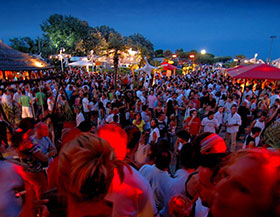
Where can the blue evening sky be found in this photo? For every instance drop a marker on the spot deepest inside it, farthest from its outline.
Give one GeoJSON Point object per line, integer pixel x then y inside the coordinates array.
{"type": "Point", "coordinates": [222, 27]}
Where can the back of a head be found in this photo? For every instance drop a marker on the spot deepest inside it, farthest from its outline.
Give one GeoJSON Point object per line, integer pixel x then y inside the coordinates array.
{"type": "Point", "coordinates": [210, 143]}
{"type": "Point", "coordinates": [183, 135]}
{"type": "Point", "coordinates": [116, 137]}
{"type": "Point", "coordinates": [163, 159]}
{"type": "Point", "coordinates": [86, 167]}
{"type": "Point", "coordinates": [189, 159]}
{"type": "Point", "coordinates": [133, 134]}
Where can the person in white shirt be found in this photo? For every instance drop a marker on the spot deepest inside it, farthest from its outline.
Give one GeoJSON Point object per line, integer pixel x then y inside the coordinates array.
{"type": "Point", "coordinates": [86, 105]}
{"type": "Point", "coordinates": [107, 178]}
{"type": "Point", "coordinates": [177, 185]}
{"type": "Point", "coordinates": [233, 123]}
{"type": "Point", "coordinates": [17, 95]}
{"type": "Point", "coordinates": [6, 98]}
{"type": "Point", "coordinates": [110, 118]}
{"type": "Point", "coordinates": [139, 93]}
{"type": "Point", "coordinates": [143, 99]}
{"type": "Point", "coordinates": [79, 116]}
{"type": "Point", "coordinates": [154, 133]}
{"type": "Point", "coordinates": [209, 123]}
{"type": "Point", "coordinates": [151, 101]}
{"type": "Point", "coordinates": [219, 116]}
{"type": "Point", "coordinates": [159, 178]}
{"type": "Point", "coordinates": [274, 97]}
{"type": "Point", "coordinates": [142, 204]}
{"type": "Point", "coordinates": [50, 102]}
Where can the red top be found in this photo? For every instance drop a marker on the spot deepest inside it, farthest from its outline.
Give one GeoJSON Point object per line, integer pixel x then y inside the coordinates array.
{"type": "Point", "coordinates": [195, 125]}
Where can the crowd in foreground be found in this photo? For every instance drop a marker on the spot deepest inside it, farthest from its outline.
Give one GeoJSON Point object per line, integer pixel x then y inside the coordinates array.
{"type": "Point", "coordinates": [151, 150]}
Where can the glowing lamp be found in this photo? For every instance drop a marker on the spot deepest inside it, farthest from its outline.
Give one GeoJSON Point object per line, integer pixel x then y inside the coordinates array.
{"type": "Point", "coordinates": [191, 56]}
{"type": "Point", "coordinates": [203, 51]}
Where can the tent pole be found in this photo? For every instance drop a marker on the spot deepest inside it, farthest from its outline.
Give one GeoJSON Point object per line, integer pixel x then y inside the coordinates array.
{"type": "Point", "coordinates": [43, 112]}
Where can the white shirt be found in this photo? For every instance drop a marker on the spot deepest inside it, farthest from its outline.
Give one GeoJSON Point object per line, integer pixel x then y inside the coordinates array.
{"type": "Point", "coordinates": [133, 197]}
{"type": "Point", "coordinates": [151, 100]}
{"type": "Point", "coordinates": [209, 125]}
{"type": "Point", "coordinates": [177, 185]}
{"type": "Point", "coordinates": [50, 104]}
{"type": "Point", "coordinates": [79, 119]}
{"type": "Point", "coordinates": [143, 100]}
{"type": "Point", "coordinates": [6, 99]}
{"type": "Point", "coordinates": [158, 180]}
{"type": "Point", "coordinates": [235, 119]}
{"type": "Point", "coordinates": [219, 117]}
{"type": "Point", "coordinates": [85, 103]}
{"type": "Point", "coordinates": [155, 130]}
{"type": "Point", "coordinates": [16, 97]}
{"type": "Point", "coordinates": [273, 98]}
{"type": "Point", "coordinates": [139, 93]}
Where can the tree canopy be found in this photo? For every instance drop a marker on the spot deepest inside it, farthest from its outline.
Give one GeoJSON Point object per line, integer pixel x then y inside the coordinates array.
{"type": "Point", "coordinates": [77, 37]}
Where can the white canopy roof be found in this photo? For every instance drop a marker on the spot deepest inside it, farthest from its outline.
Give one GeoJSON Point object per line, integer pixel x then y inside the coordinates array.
{"type": "Point", "coordinates": [81, 63]}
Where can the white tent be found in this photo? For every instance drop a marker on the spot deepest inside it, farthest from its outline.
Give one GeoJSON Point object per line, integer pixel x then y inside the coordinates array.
{"type": "Point", "coordinates": [276, 63]}
{"type": "Point", "coordinates": [148, 69]}
{"type": "Point", "coordinates": [81, 63]}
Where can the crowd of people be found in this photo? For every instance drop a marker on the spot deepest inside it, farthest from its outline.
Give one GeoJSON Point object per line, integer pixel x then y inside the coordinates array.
{"type": "Point", "coordinates": [184, 145]}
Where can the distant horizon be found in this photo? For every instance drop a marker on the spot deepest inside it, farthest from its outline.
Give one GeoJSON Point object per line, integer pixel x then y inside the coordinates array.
{"type": "Point", "coordinates": [223, 27]}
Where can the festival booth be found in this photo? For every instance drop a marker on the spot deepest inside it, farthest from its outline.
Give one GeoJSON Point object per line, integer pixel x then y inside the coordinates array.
{"type": "Point", "coordinates": [168, 68]}
{"type": "Point", "coordinates": [83, 62]}
{"type": "Point", "coordinates": [235, 68]}
{"type": "Point", "coordinates": [256, 71]}
{"type": "Point", "coordinates": [16, 65]}
{"type": "Point", "coordinates": [263, 72]}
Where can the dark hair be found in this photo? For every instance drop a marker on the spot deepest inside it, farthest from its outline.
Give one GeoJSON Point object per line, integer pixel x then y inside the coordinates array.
{"type": "Point", "coordinates": [187, 157]}
{"type": "Point", "coordinates": [163, 159]}
{"type": "Point", "coordinates": [144, 107]}
{"type": "Point", "coordinates": [183, 135]}
{"type": "Point", "coordinates": [85, 126]}
{"type": "Point", "coordinates": [133, 134]}
{"type": "Point", "coordinates": [214, 162]}
{"type": "Point", "coordinates": [115, 118]}
{"type": "Point", "coordinates": [210, 113]}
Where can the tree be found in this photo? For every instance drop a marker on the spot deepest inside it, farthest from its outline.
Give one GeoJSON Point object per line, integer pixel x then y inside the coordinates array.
{"type": "Point", "coordinates": [239, 58]}
{"type": "Point", "coordinates": [140, 43]}
{"type": "Point", "coordinates": [117, 44]}
{"type": "Point", "coordinates": [25, 44]}
{"type": "Point", "coordinates": [110, 43]}
{"type": "Point", "coordinates": [159, 53]}
{"type": "Point", "coordinates": [222, 59]}
{"type": "Point", "coordinates": [167, 54]}
{"type": "Point", "coordinates": [68, 32]}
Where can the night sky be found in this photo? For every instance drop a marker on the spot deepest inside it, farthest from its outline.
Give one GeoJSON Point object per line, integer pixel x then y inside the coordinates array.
{"type": "Point", "coordinates": [222, 27]}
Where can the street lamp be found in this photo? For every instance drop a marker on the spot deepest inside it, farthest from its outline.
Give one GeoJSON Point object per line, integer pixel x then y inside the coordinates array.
{"type": "Point", "coordinates": [203, 51]}
{"type": "Point", "coordinates": [272, 38]}
{"type": "Point", "coordinates": [61, 57]}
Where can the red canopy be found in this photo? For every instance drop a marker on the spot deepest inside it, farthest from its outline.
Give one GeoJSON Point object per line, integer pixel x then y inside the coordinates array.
{"type": "Point", "coordinates": [256, 71]}
{"type": "Point", "coordinates": [235, 67]}
{"type": "Point", "coordinates": [168, 66]}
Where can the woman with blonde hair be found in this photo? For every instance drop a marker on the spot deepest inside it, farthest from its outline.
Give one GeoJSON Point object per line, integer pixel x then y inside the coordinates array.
{"type": "Point", "coordinates": [86, 170]}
